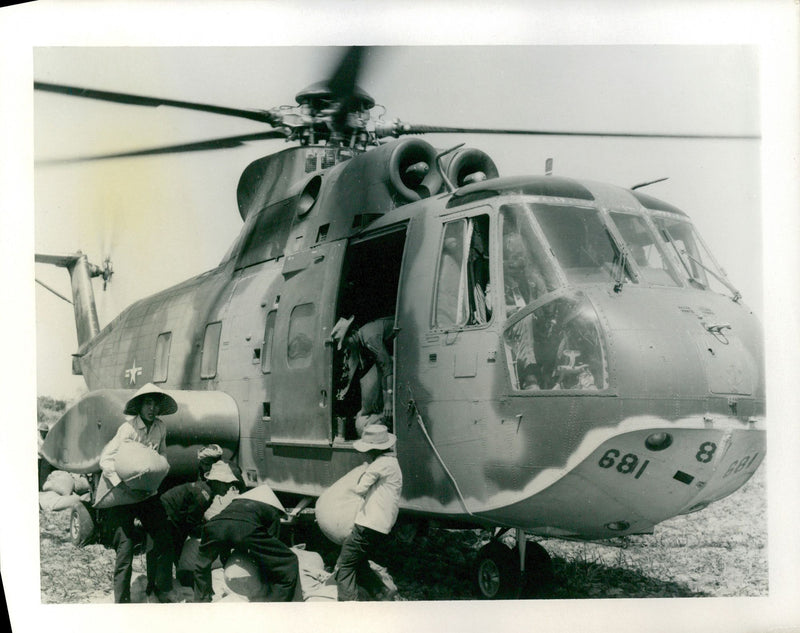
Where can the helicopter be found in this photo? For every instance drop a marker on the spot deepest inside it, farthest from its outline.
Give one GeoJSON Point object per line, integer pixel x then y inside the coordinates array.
{"type": "Point", "coordinates": [618, 384]}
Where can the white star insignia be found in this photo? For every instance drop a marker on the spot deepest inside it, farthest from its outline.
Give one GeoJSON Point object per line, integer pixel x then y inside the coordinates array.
{"type": "Point", "coordinates": [133, 372]}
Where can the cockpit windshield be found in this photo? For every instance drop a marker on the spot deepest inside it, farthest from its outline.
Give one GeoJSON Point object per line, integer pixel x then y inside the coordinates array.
{"type": "Point", "coordinates": [645, 248]}
{"type": "Point", "coordinates": [698, 265]}
{"type": "Point", "coordinates": [582, 244]}
{"type": "Point", "coordinates": [527, 272]}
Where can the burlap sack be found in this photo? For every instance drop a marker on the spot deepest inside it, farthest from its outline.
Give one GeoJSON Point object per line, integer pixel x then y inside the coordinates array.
{"type": "Point", "coordinates": [140, 467]}
{"type": "Point", "coordinates": [51, 500]}
{"type": "Point", "coordinates": [243, 577]}
{"type": "Point", "coordinates": [59, 481]}
{"type": "Point", "coordinates": [337, 507]}
{"type": "Point", "coordinates": [108, 496]}
{"type": "Point", "coordinates": [81, 483]}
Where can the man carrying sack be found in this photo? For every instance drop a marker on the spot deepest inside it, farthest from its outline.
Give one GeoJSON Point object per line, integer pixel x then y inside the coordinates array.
{"type": "Point", "coordinates": [380, 484]}
{"type": "Point", "coordinates": [141, 438]}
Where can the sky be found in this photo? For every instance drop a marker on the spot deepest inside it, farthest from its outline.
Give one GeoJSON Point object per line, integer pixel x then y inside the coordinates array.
{"type": "Point", "coordinates": [162, 219]}
{"type": "Point", "coordinates": [715, 66]}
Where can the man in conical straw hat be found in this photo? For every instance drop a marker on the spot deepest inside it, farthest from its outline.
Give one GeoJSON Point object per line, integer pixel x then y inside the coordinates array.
{"type": "Point", "coordinates": [380, 485]}
{"type": "Point", "coordinates": [146, 429]}
{"type": "Point", "coordinates": [251, 523]}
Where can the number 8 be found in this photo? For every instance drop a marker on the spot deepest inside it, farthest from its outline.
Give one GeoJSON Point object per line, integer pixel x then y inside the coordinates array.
{"type": "Point", "coordinates": [706, 452]}
{"type": "Point", "coordinates": [628, 463]}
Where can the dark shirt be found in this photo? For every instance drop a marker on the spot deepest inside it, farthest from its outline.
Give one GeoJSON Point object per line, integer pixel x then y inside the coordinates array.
{"type": "Point", "coordinates": [186, 504]}
{"type": "Point", "coordinates": [374, 339]}
{"type": "Point", "coordinates": [255, 513]}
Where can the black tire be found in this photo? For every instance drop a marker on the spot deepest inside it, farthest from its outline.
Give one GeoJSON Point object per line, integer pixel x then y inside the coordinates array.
{"type": "Point", "coordinates": [81, 525]}
{"type": "Point", "coordinates": [497, 572]}
{"type": "Point", "coordinates": [539, 576]}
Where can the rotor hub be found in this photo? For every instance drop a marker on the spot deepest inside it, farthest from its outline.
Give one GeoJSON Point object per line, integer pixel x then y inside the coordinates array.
{"type": "Point", "coordinates": [319, 96]}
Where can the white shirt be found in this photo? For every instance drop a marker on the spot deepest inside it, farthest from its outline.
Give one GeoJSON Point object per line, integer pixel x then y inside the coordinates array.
{"type": "Point", "coordinates": [134, 430]}
{"type": "Point", "coordinates": [380, 485]}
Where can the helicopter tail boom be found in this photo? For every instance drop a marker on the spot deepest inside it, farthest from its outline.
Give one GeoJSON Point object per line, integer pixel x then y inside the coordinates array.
{"type": "Point", "coordinates": [80, 274]}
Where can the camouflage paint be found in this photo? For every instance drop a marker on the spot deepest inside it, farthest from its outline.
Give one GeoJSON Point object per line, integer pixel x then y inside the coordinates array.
{"type": "Point", "coordinates": [472, 448]}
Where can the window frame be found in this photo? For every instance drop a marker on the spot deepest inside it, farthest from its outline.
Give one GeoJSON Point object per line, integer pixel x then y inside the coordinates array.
{"type": "Point", "coordinates": [569, 293]}
{"type": "Point", "coordinates": [161, 368]}
{"type": "Point", "coordinates": [204, 373]}
{"type": "Point", "coordinates": [559, 278]}
{"type": "Point", "coordinates": [307, 360]}
{"type": "Point", "coordinates": [618, 246]}
{"type": "Point", "coordinates": [658, 242]}
{"type": "Point", "coordinates": [463, 216]}
{"type": "Point", "coordinates": [269, 341]}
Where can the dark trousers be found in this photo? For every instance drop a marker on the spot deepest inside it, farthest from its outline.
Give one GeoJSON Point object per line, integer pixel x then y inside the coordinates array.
{"type": "Point", "coordinates": [154, 521]}
{"type": "Point", "coordinates": [175, 538]}
{"type": "Point", "coordinates": [278, 563]}
{"type": "Point", "coordinates": [353, 563]}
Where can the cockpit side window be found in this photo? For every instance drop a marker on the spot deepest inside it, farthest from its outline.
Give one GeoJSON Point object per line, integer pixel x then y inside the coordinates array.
{"type": "Point", "coordinates": [268, 234]}
{"type": "Point", "coordinates": [557, 347]}
{"type": "Point", "coordinates": [463, 289]}
{"type": "Point", "coordinates": [527, 273]}
{"type": "Point", "coordinates": [645, 249]}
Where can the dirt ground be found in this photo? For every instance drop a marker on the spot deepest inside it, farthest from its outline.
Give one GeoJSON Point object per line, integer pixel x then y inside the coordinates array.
{"type": "Point", "coordinates": [720, 551]}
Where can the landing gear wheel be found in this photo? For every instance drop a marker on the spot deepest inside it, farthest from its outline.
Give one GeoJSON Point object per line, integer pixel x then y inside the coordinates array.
{"type": "Point", "coordinates": [81, 525]}
{"type": "Point", "coordinates": [538, 569]}
{"type": "Point", "coordinates": [497, 571]}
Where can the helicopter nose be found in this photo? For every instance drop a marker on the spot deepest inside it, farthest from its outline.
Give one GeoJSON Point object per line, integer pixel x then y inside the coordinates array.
{"type": "Point", "coordinates": [635, 479]}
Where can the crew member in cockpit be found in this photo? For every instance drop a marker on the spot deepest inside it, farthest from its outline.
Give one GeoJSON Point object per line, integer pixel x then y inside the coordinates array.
{"type": "Point", "coordinates": [368, 359]}
{"type": "Point", "coordinates": [523, 282]}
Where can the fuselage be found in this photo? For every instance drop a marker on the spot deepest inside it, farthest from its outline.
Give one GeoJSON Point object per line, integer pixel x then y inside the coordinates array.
{"type": "Point", "coordinates": [563, 361]}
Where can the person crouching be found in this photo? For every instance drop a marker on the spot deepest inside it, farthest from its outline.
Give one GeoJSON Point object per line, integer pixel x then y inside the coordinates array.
{"type": "Point", "coordinates": [185, 506]}
{"type": "Point", "coordinates": [249, 524]}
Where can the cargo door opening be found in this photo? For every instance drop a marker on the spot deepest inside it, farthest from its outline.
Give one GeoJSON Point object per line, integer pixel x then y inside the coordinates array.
{"type": "Point", "coordinates": [363, 356]}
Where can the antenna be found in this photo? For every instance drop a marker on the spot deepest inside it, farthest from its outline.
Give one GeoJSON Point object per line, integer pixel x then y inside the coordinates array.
{"type": "Point", "coordinates": [651, 182]}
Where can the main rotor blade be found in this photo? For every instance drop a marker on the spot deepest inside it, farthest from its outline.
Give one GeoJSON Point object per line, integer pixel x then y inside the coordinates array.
{"type": "Point", "coordinates": [343, 81]}
{"type": "Point", "coordinates": [120, 97]}
{"type": "Point", "coordinates": [219, 143]}
{"type": "Point", "coordinates": [342, 84]}
{"type": "Point", "coordinates": [433, 129]}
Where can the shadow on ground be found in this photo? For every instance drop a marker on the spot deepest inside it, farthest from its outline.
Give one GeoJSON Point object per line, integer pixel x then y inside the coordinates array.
{"type": "Point", "coordinates": [440, 565]}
